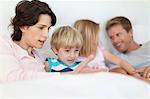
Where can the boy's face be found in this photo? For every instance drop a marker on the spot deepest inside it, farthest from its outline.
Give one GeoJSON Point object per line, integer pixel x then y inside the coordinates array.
{"type": "Point", "coordinates": [68, 55]}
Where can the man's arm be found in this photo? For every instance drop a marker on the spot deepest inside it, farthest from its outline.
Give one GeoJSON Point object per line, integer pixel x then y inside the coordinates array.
{"type": "Point", "coordinates": [118, 69]}
{"type": "Point", "coordinates": [122, 63]}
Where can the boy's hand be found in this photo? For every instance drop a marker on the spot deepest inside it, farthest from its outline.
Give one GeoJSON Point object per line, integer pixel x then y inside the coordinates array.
{"type": "Point", "coordinates": [46, 66]}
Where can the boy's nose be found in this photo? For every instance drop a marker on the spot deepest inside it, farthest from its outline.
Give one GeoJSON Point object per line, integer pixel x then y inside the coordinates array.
{"type": "Point", "coordinates": [72, 54]}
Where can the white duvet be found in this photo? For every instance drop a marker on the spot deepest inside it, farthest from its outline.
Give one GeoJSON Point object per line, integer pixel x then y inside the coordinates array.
{"type": "Point", "coordinates": [83, 85]}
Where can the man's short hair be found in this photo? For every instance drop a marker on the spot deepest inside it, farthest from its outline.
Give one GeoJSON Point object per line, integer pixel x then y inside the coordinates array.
{"type": "Point", "coordinates": [119, 20]}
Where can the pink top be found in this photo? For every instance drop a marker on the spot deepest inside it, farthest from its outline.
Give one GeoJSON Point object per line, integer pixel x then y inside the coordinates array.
{"type": "Point", "coordinates": [98, 61]}
{"type": "Point", "coordinates": [16, 64]}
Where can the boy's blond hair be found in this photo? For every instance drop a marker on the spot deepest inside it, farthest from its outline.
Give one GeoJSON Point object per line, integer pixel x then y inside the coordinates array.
{"type": "Point", "coordinates": [89, 30]}
{"type": "Point", "coordinates": [66, 37]}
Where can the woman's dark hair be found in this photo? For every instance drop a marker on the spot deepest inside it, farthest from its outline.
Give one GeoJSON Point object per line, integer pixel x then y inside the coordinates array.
{"type": "Point", "coordinates": [27, 14]}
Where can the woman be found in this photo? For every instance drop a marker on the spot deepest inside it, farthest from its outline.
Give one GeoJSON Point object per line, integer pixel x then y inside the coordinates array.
{"type": "Point", "coordinates": [18, 59]}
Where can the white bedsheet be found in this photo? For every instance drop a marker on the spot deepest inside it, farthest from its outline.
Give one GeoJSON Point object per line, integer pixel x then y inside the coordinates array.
{"type": "Point", "coordinates": [83, 85]}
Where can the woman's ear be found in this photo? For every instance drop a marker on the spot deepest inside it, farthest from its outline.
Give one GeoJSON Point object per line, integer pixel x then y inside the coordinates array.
{"type": "Point", "coordinates": [54, 50]}
{"type": "Point", "coordinates": [23, 28]}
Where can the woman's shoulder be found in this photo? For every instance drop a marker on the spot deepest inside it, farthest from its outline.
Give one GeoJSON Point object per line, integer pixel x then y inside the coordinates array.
{"type": "Point", "coordinates": [5, 41]}
{"type": "Point", "coordinates": [2, 37]}
{"type": "Point", "coordinates": [7, 46]}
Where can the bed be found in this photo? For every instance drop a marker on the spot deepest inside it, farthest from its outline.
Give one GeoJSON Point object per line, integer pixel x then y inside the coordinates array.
{"type": "Point", "coordinates": [82, 85]}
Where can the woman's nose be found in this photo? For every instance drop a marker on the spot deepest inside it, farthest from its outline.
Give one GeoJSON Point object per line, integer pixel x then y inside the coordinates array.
{"type": "Point", "coordinates": [45, 33]}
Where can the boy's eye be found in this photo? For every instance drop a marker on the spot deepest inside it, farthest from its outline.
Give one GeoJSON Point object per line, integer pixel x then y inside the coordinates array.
{"type": "Point", "coordinates": [67, 50]}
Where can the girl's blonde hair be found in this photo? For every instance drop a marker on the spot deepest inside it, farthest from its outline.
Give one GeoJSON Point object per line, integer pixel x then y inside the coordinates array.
{"type": "Point", "coordinates": [89, 30]}
{"type": "Point", "coordinates": [66, 37]}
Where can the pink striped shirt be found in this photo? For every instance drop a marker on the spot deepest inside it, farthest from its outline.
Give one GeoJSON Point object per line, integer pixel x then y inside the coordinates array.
{"type": "Point", "coordinates": [16, 64]}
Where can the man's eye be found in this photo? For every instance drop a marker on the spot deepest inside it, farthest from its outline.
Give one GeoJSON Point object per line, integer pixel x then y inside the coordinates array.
{"type": "Point", "coordinates": [111, 37]}
{"type": "Point", "coordinates": [118, 34]}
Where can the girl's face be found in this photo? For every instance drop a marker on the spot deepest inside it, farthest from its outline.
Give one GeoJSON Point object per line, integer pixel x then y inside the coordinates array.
{"type": "Point", "coordinates": [36, 35]}
{"type": "Point", "coordinates": [68, 55]}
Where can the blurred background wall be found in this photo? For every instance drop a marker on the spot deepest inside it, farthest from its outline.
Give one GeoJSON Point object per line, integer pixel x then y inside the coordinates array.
{"type": "Point", "coordinates": [68, 11]}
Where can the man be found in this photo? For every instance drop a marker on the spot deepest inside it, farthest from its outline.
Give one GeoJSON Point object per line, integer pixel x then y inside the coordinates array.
{"type": "Point", "coordinates": [120, 32]}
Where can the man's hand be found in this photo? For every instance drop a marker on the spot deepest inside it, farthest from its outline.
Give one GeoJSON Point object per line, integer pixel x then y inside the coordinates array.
{"type": "Point", "coordinates": [145, 72]}
{"type": "Point", "coordinates": [118, 70]}
{"type": "Point", "coordinates": [123, 71]}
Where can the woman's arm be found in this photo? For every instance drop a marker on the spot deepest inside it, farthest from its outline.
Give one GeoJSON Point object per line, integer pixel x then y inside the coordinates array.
{"type": "Point", "coordinates": [11, 68]}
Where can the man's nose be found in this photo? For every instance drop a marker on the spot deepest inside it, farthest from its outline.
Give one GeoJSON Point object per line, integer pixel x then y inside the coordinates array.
{"type": "Point", "coordinates": [115, 39]}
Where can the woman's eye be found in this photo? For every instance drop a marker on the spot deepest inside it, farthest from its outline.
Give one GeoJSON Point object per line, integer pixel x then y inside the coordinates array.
{"type": "Point", "coordinates": [41, 28]}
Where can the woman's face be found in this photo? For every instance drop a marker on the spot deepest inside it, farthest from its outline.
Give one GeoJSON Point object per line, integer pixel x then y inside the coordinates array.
{"type": "Point", "coordinates": [36, 35]}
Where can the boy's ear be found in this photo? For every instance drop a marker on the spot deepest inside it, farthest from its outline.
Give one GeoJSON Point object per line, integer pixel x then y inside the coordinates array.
{"type": "Point", "coordinates": [54, 50]}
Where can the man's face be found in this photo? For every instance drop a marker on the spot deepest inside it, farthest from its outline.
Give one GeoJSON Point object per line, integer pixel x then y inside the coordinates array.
{"type": "Point", "coordinates": [120, 38]}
